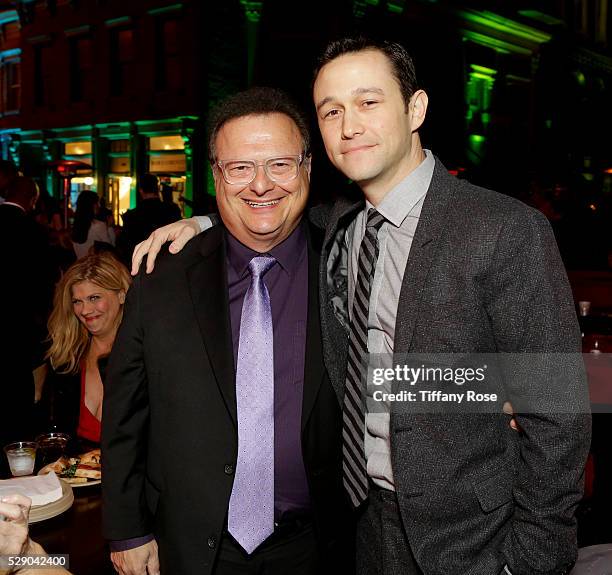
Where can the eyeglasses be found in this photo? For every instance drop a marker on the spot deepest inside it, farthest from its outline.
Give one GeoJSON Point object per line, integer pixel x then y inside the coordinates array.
{"type": "Point", "coordinates": [280, 170]}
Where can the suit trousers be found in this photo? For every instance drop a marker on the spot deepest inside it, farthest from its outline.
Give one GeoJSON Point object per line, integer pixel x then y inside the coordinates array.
{"type": "Point", "coordinates": [292, 554]}
{"type": "Point", "coordinates": [382, 543]}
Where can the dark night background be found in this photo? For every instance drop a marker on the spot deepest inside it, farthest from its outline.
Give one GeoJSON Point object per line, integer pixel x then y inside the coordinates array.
{"type": "Point", "coordinates": [520, 92]}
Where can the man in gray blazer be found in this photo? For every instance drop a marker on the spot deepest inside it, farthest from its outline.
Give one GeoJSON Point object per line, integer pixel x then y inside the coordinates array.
{"type": "Point", "coordinates": [431, 264]}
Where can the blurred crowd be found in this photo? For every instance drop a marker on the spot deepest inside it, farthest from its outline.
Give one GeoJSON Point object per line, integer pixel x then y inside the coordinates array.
{"type": "Point", "coordinates": [62, 294]}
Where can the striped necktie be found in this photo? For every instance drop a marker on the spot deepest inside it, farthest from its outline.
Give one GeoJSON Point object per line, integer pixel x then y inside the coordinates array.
{"type": "Point", "coordinates": [355, 477]}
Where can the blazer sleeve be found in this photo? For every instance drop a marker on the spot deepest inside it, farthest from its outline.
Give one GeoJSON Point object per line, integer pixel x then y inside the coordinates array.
{"type": "Point", "coordinates": [125, 420]}
{"type": "Point", "coordinates": [530, 305]}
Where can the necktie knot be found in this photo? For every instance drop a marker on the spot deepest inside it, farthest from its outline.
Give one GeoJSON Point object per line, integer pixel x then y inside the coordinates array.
{"type": "Point", "coordinates": [259, 265]}
{"type": "Point", "coordinates": [375, 219]}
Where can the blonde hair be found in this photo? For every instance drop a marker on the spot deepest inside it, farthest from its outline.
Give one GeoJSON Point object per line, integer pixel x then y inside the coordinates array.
{"type": "Point", "coordinates": [69, 337]}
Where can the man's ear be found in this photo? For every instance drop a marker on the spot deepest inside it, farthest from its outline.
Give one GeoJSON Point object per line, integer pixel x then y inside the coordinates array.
{"type": "Point", "coordinates": [417, 109]}
{"type": "Point", "coordinates": [308, 164]}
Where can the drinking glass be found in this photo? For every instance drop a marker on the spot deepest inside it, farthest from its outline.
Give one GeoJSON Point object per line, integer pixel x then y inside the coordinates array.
{"type": "Point", "coordinates": [21, 456]}
{"type": "Point", "coordinates": [51, 446]}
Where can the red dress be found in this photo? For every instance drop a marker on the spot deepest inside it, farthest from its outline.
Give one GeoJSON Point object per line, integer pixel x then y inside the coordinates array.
{"type": "Point", "coordinates": [89, 427]}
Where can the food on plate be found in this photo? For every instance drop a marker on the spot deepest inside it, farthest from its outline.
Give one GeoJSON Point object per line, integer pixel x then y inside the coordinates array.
{"type": "Point", "coordinates": [90, 457]}
{"type": "Point", "coordinates": [88, 471]}
{"type": "Point", "coordinates": [83, 469]}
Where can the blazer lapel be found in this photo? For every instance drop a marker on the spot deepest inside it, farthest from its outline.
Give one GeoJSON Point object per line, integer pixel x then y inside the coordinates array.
{"type": "Point", "coordinates": [332, 296]}
{"type": "Point", "coordinates": [207, 281]}
{"type": "Point", "coordinates": [431, 224]}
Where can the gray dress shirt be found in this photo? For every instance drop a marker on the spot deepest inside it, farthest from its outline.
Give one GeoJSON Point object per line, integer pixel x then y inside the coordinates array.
{"type": "Point", "coordinates": [401, 207]}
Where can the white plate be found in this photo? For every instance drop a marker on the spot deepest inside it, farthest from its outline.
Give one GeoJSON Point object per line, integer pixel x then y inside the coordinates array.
{"type": "Point", "coordinates": [42, 512]}
{"type": "Point", "coordinates": [86, 484]}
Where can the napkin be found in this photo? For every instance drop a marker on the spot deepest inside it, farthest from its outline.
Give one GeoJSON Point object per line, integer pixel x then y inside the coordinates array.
{"type": "Point", "coordinates": [41, 489]}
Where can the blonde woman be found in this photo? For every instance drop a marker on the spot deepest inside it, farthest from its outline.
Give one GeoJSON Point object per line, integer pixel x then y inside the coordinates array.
{"type": "Point", "coordinates": [87, 310]}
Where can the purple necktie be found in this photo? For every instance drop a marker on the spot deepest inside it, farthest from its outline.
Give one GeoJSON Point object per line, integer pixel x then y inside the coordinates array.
{"type": "Point", "coordinates": [251, 507]}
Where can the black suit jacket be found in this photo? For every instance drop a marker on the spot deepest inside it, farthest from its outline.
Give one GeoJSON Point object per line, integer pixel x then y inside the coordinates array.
{"type": "Point", "coordinates": [169, 429]}
{"type": "Point", "coordinates": [483, 276]}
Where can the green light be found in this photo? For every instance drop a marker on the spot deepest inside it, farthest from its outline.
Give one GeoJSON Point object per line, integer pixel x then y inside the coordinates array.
{"type": "Point", "coordinates": [483, 70]}
{"type": "Point", "coordinates": [580, 77]}
{"type": "Point", "coordinates": [395, 7]}
{"type": "Point", "coordinates": [8, 16]}
{"type": "Point", "coordinates": [505, 25]}
{"type": "Point", "coordinates": [482, 77]}
{"type": "Point", "coordinates": [541, 17]}
{"type": "Point", "coordinates": [118, 21]}
{"type": "Point", "coordinates": [165, 9]}
{"type": "Point", "coordinates": [499, 46]}
{"type": "Point", "coordinates": [252, 10]}
{"type": "Point", "coordinates": [476, 144]}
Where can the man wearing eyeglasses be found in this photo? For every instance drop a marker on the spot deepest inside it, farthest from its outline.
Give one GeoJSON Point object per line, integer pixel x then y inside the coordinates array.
{"type": "Point", "coordinates": [221, 431]}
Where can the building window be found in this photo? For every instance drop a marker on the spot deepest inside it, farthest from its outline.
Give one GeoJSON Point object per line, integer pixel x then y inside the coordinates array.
{"type": "Point", "coordinates": [121, 56]}
{"type": "Point", "coordinates": [10, 77]}
{"type": "Point", "coordinates": [166, 143]}
{"type": "Point", "coordinates": [78, 148]}
{"type": "Point", "coordinates": [118, 146]}
{"type": "Point", "coordinates": [167, 60]}
{"type": "Point", "coordinates": [81, 67]}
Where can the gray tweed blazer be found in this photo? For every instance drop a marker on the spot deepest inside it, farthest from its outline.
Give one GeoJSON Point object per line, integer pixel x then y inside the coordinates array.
{"type": "Point", "coordinates": [483, 276]}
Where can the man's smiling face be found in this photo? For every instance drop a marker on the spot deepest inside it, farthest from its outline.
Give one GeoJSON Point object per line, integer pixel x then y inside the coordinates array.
{"type": "Point", "coordinates": [263, 213]}
{"type": "Point", "coordinates": [366, 126]}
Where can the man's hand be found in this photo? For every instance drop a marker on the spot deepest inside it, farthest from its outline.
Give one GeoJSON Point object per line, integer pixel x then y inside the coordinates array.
{"type": "Point", "coordinates": [509, 410]}
{"type": "Point", "coordinates": [14, 529]}
{"type": "Point", "coordinates": [141, 560]}
{"type": "Point", "coordinates": [179, 233]}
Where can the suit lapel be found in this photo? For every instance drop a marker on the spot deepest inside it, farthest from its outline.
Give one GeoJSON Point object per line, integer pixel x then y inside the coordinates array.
{"type": "Point", "coordinates": [432, 223]}
{"type": "Point", "coordinates": [332, 295]}
{"type": "Point", "coordinates": [314, 368]}
{"type": "Point", "coordinates": [207, 281]}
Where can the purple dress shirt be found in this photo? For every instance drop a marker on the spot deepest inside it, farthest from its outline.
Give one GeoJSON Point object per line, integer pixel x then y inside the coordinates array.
{"type": "Point", "coordinates": [287, 283]}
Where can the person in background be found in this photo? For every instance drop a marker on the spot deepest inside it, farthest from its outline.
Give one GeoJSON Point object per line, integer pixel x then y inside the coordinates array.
{"type": "Point", "coordinates": [8, 171]}
{"type": "Point", "coordinates": [26, 293]}
{"type": "Point", "coordinates": [150, 213]}
{"type": "Point", "coordinates": [47, 211]}
{"type": "Point", "coordinates": [86, 228]}
{"type": "Point", "coordinates": [166, 194]}
{"type": "Point", "coordinates": [88, 307]}
{"type": "Point", "coordinates": [105, 215]}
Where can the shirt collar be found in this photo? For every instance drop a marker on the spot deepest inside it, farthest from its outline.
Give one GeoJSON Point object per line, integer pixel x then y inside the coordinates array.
{"type": "Point", "coordinates": [398, 203]}
{"type": "Point", "coordinates": [288, 253]}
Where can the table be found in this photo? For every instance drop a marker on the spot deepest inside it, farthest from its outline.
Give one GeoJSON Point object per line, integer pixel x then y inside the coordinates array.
{"type": "Point", "coordinates": [78, 532]}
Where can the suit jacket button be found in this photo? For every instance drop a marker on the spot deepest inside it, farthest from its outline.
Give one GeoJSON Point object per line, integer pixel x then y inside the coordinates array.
{"type": "Point", "coordinates": [212, 542]}
{"type": "Point", "coordinates": [229, 469]}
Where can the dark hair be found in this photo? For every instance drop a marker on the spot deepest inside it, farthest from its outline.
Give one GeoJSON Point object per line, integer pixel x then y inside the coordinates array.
{"type": "Point", "coordinates": [84, 215]}
{"type": "Point", "coordinates": [149, 184]}
{"type": "Point", "coordinates": [21, 190]}
{"type": "Point", "coordinates": [401, 62]}
{"type": "Point", "coordinates": [254, 102]}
